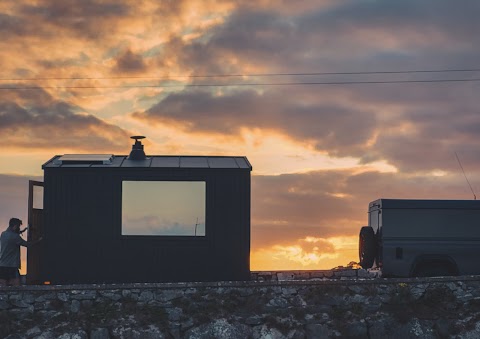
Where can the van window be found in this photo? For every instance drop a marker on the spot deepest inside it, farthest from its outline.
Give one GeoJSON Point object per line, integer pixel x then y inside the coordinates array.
{"type": "Point", "coordinates": [374, 219]}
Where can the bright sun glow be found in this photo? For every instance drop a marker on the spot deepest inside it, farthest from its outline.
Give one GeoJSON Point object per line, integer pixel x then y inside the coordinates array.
{"type": "Point", "coordinates": [307, 253]}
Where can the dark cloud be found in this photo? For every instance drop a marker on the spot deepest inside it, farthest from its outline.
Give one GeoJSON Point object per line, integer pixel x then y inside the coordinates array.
{"type": "Point", "coordinates": [65, 62]}
{"type": "Point", "coordinates": [414, 127]}
{"type": "Point", "coordinates": [14, 27]}
{"type": "Point", "coordinates": [129, 62]}
{"type": "Point", "coordinates": [323, 204]}
{"type": "Point", "coordinates": [328, 125]}
{"type": "Point", "coordinates": [34, 119]}
{"type": "Point", "coordinates": [350, 35]}
{"type": "Point", "coordinates": [90, 18]}
{"type": "Point", "coordinates": [363, 121]}
{"type": "Point", "coordinates": [422, 126]}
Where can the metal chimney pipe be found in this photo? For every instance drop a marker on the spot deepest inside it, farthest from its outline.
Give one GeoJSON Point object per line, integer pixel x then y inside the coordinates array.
{"type": "Point", "coordinates": [137, 152]}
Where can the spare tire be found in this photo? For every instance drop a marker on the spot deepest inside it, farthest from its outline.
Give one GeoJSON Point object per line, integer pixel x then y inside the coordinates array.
{"type": "Point", "coordinates": [367, 247]}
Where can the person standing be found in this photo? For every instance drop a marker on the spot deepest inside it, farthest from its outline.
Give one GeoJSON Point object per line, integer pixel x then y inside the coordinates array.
{"type": "Point", "coordinates": [10, 242]}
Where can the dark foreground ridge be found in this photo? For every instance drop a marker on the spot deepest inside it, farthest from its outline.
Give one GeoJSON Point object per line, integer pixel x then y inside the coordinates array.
{"type": "Point", "coordinates": [317, 308]}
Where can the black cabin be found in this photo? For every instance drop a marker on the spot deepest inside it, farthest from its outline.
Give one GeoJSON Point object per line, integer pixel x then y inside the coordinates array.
{"type": "Point", "coordinates": [137, 218]}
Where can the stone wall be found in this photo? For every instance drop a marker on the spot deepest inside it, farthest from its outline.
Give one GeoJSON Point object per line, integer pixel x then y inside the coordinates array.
{"type": "Point", "coordinates": [321, 308]}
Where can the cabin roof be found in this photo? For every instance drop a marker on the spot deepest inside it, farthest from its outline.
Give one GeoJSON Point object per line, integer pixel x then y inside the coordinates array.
{"type": "Point", "coordinates": [153, 161]}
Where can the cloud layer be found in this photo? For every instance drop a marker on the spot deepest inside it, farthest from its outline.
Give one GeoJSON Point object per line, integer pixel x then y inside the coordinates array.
{"type": "Point", "coordinates": [210, 77]}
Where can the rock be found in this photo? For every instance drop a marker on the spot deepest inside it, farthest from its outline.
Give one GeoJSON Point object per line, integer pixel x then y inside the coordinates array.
{"type": "Point", "coordinates": [310, 319]}
{"type": "Point", "coordinates": [380, 328]}
{"type": "Point", "coordinates": [125, 333]}
{"type": "Point", "coordinates": [19, 303]}
{"type": "Point", "coordinates": [302, 276]}
{"type": "Point", "coordinates": [296, 334]}
{"type": "Point", "coordinates": [264, 332]}
{"type": "Point", "coordinates": [359, 299]}
{"type": "Point", "coordinates": [75, 306]}
{"type": "Point", "coordinates": [362, 273]}
{"type": "Point", "coordinates": [174, 313]}
{"type": "Point", "coordinates": [246, 292]}
{"type": "Point", "coordinates": [145, 296]}
{"type": "Point", "coordinates": [327, 274]}
{"type": "Point", "coordinates": [185, 325]}
{"type": "Point", "coordinates": [99, 333]}
{"type": "Point", "coordinates": [298, 301]}
{"type": "Point", "coordinates": [442, 328]}
{"type": "Point", "coordinates": [62, 297]}
{"type": "Point", "coordinates": [87, 304]}
{"type": "Point", "coordinates": [345, 273]}
{"type": "Point", "coordinates": [190, 290]}
{"type": "Point", "coordinates": [168, 295]}
{"type": "Point", "coordinates": [355, 289]}
{"type": "Point", "coordinates": [15, 296]}
{"type": "Point", "coordinates": [317, 331]}
{"type": "Point", "coordinates": [4, 305]}
{"type": "Point", "coordinates": [152, 332]}
{"type": "Point", "coordinates": [13, 336]}
{"type": "Point", "coordinates": [371, 307]}
{"type": "Point", "coordinates": [416, 330]}
{"type": "Point", "coordinates": [356, 330]}
{"type": "Point", "coordinates": [220, 329]}
{"type": "Point", "coordinates": [418, 291]}
{"type": "Point", "coordinates": [285, 276]}
{"type": "Point", "coordinates": [75, 335]}
{"type": "Point", "coordinates": [289, 291]}
{"type": "Point", "coordinates": [49, 296]}
{"type": "Point", "coordinates": [83, 294]}
{"type": "Point", "coordinates": [253, 321]}
{"type": "Point", "coordinates": [21, 313]}
{"type": "Point", "coordinates": [33, 332]}
{"type": "Point", "coordinates": [331, 301]}
{"type": "Point", "coordinates": [112, 296]}
{"type": "Point", "coordinates": [278, 302]}
{"type": "Point", "coordinates": [317, 274]}
{"type": "Point", "coordinates": [319, 309]}
{"type": "Point", "coordinates": [46, 335]}
{"type": "Point", "coordinates": [28, 298]}
{"type": "Point", "coordinates": [472, 334]}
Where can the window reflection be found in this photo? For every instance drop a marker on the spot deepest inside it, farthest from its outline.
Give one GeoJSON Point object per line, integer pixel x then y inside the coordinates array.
{"type": "Point", "coordinates": [165, 208]}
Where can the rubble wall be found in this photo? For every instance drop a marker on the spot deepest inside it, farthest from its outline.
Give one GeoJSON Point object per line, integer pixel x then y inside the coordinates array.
{"type": "Point", "coordinates": [351, 307]}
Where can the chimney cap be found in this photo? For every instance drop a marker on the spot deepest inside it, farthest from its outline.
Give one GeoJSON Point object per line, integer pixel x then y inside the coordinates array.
{"type": "Point", "coordinates": [137, 152]}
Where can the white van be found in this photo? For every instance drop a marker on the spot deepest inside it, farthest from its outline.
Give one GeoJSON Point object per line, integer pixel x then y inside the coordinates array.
{"type": "Point", "coordinates": [407, 238]}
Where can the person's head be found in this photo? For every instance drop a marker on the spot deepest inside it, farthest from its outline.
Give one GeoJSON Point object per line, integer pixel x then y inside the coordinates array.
{"type": "Point", "coordinates": [14, 224]}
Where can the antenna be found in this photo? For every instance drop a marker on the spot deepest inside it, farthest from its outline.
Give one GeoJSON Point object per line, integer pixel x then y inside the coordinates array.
{"type": "Point", "coordinates": [196, 224]}
{"type": "Point", "coordinates": [468, 182]}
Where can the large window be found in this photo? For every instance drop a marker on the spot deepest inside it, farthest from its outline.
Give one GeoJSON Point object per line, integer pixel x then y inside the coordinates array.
{"type": "Point", "coordinates": [165, 208]}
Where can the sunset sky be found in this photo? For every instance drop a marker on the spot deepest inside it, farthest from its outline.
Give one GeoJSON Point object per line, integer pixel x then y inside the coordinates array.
{"type": "Point", "coordinates": [248, 78]}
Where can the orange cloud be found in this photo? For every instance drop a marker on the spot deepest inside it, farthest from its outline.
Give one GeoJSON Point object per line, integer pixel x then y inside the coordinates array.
{"type": "Point", "coordinates": [306, 253]}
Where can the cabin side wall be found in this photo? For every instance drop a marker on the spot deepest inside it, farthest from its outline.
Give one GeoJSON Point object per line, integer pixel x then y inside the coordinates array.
{"type": "Point", "coordinates": [83, 241]}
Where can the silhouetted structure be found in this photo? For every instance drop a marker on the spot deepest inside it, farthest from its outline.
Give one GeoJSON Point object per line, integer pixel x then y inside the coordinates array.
{"type": "Point", "coordinates": [82, 221]}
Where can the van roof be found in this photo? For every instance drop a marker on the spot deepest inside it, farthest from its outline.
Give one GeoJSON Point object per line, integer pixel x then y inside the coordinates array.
{"type": "Point", "coordinates": [424, 204]}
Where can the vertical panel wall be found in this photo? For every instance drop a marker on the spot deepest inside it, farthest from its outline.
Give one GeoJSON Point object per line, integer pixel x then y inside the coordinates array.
{"type": "Point", "coordinates": [84, 243]}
